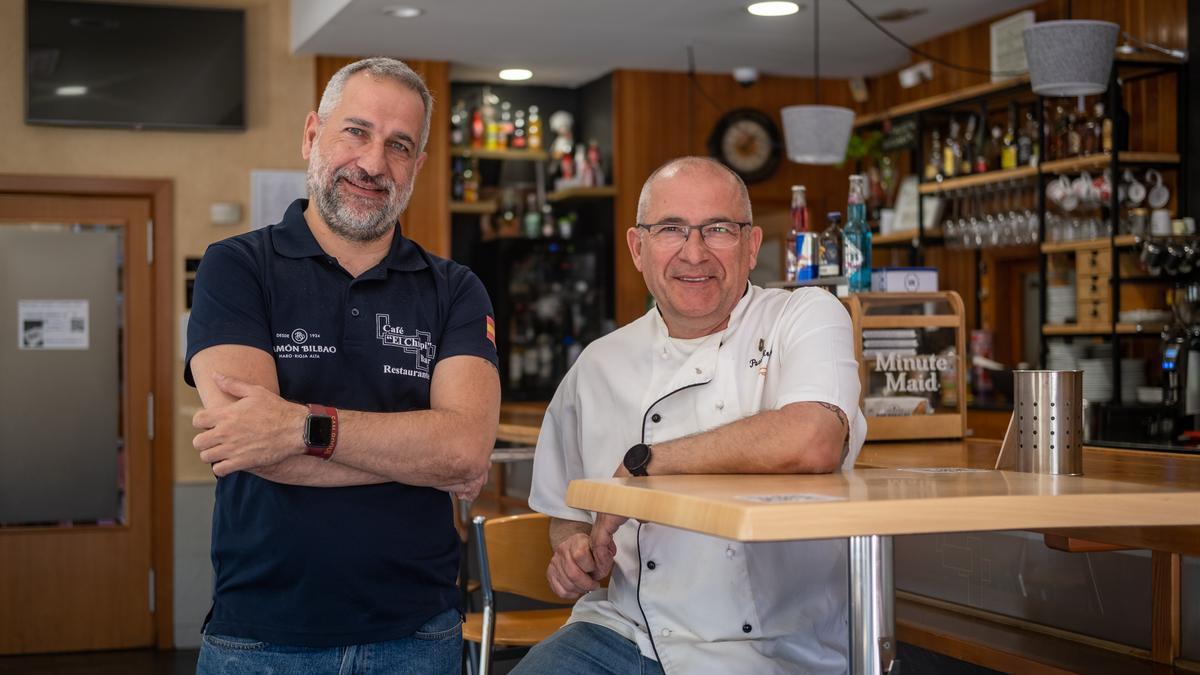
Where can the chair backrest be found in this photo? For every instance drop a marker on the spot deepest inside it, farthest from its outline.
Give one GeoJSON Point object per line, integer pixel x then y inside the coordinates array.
{"type": "Point", "coordinates": [518, 553]}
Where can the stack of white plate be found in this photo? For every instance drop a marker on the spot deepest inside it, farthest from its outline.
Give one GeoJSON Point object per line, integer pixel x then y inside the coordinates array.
{"type": "Point", "coordinates": [1063, 356]}
{"type": "Point", "coordinates": [1060, 304]}
{"type": "Point", "coordinates": [1145, 316]}
{"type": "Point", "coordinates": [1133, 376]}
{"type": "Point", "coordinates": [1097, 379]}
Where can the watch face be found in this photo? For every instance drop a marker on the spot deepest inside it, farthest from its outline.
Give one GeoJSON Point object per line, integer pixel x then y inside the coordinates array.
{"type": "Point", "coordinates": [748, 142]}
{"type": "Point", "coordinates": [318, 431]}
{"type": "Point", "coordinates": [637, 458]}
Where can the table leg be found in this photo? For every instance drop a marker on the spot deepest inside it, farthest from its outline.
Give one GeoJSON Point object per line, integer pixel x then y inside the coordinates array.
{"type": "Point", "coordinates": [872, 602]}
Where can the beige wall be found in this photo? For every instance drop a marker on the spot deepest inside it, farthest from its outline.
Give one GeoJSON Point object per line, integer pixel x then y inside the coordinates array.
{"type": "Point", "coordinates": [205, 167]}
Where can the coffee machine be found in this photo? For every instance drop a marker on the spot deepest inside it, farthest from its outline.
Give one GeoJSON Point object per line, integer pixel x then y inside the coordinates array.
{"type": "Point", "coordinates": [1181, 353]}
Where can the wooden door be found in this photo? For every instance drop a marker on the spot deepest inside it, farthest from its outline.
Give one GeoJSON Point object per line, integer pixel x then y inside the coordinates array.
{"type": "Point", "coordinates": [73, 586]}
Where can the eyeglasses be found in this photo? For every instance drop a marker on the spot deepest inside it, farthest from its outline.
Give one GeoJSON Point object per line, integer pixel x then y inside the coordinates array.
{"type": "Point", "coordinates": [725, 234]}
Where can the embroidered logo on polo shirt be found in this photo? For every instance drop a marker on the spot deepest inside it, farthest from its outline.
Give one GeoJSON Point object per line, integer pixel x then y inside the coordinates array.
{"type": "Point", "coordinates": [297, 345]}
{"type": "Point", "coordinates": [419, 343]}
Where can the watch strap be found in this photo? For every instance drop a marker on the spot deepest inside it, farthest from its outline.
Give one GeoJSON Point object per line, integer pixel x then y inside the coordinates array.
{"type": "Point", "coordinates": [324, 451]}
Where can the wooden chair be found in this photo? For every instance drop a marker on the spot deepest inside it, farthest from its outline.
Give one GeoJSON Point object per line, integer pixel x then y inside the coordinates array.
{"type": "Point", "coordinates": [513, 554]}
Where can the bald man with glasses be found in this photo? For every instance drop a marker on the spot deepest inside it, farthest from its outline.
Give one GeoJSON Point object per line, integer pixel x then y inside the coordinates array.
{"type": "Point", "coordinates": [719, 377]}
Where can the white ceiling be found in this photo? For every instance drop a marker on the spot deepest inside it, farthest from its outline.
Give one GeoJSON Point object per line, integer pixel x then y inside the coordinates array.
{"type": "Point", "coordinates": [569, 42]}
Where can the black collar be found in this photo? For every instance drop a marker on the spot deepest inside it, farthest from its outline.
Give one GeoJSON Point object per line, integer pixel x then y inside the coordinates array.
{"type": "Point", "coordinates": [292, 239]}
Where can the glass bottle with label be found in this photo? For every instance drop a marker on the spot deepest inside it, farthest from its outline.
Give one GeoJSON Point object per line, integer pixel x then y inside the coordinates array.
{"type": "Point", "coordinates": [1008, 143]}
{"type": "Point", "coordinates": [951, 152]}
{"type": "Point", "coordinates": [856, 244]}
{"type": "Point", "coordinates": [1104, 127]}
{"type": "Point", "coordinates": [830, 247]}
{"type": "Point", "coordinates": [533, 131]}
{"type": "Point", "coordinates": [1027, 142]}
{"type": "Point", "coordinates": [933, 168]}
{"type": "Point", "coordinates": [967, 162]}
{"type": "Point", "coordinates": [801, 264]}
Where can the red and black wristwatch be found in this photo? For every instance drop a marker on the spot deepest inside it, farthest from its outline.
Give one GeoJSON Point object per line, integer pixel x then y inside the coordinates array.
{"type": "Point", "coordinates": [320, 431]}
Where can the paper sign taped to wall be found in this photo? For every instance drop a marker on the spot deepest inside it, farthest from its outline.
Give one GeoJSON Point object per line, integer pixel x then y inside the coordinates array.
{"type": "Point", "coordinates": [52, 324]}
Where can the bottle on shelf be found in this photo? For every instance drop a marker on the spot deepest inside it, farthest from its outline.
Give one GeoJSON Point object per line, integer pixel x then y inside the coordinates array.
{"type": "Point", "coordinates": [531, 221]}
{"type": "Point", "coordinates": [457, 188]}
{"type": "Point", "coordinates": [1027, 142]}
{"type": "Point", "coordinates": [829, 246]}
{"type": "Point", "coordinates": [967, 163]}
{"type": "Point", "coordinates": [491, 120]}
{"type": "Point", "coordinates": [1104, 127]}
{"type": "Point", "coordinates": [470, 181]}
{"type": "Point", "coordinates": [981, 148]}
{"type": "Point", "coordinates": [1008, 143]}
{"type": "Point", "coordinates": [1056, 136]}
{"type": "Point", "coordinates": [519, 141]}
{"type": "Point", "coordinates": [505, 128]}
{"type": "Point", "coordinates": [477, 129]}
{"type": "Point", "coordinates": [856, 245]}
{"type": "Point", "coordinates": [801, 262]}
{"type": "Point", "coordinates": [459, 121]}
{"type": "Point", "coordinates": [1074, 137]}
{"type": "Point", "coordinates": [933, 168]}
{"type": "Point", "coordinates": [995, 148]}
{"type": "Point", "coordinates": [951, 151]}
{"type": "Point", "coordinates": [1089, 133]}
{"type": "Point", "coordinates": [534, 129]}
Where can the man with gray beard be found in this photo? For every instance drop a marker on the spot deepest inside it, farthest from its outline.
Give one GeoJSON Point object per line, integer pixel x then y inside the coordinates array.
{"type": "Point", "coordinates": [349, 383]}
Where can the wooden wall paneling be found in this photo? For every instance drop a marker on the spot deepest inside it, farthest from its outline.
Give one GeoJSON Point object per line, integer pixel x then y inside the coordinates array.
{"type": "Point", "coordinates": [427, 219]}
{"type": "Point", "coordinates": [1165, 607]}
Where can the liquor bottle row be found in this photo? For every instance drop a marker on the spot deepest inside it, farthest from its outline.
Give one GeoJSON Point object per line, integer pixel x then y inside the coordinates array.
{"type": "Point", "coordinates": [967, 147]}
{"type": "Point", "coordinates": [971, 148]}
{"type": "Point", "coordinates": [495, 125]}
{"type": "Point", "coordinates": [834, 251]}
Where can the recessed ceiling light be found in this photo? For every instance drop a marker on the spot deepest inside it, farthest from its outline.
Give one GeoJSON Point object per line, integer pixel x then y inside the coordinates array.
{"type": "Point", "coordinates": [404, 12]}
{"type": "Point", "coordinates": [773, 8]}
{"type": "Point", "coordinates": [71, 90]}
{"type": "Point", "coordinates": [515, 74]}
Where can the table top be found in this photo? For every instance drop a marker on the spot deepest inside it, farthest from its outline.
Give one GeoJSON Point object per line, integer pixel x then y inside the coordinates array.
{"type": "Point", "coordinates": [889, 501]}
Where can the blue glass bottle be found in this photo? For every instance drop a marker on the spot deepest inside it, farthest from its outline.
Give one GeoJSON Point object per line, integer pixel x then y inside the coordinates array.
{"type": "Point", "coordinates": [856, 246]}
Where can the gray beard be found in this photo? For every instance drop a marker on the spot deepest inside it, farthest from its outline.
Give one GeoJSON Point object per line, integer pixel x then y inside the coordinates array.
{"type": "Point", "coordinates": [347, 222]}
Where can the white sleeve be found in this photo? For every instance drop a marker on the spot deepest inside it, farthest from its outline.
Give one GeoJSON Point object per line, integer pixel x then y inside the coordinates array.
{"type": "Point", "coordinates": [557, 460]}
{"type": "Point", "coordinates": [815, 360]}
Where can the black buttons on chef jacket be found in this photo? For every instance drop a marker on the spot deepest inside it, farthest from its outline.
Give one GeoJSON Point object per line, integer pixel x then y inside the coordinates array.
{"type": "Point", "coordinates": [354, 311]}
{"type": "Point", "coordinates": [651, 565]}
{"type": "Point", "coordinates": [746, 628]}
{"type": "Point", "coordinates": [656, 418]}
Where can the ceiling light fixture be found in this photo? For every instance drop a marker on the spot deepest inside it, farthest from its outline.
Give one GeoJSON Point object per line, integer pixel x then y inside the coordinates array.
{"type": "Point", "coordinates": [1070, 58]}
{"type": "Point", "coordinates": [401, 12]}
{"type": "Point", "coordinates": [71, 90]}
{"type": "Point", "coordinates": [816, 134]}
{"type": "Point", "coordinates": [774, 8]}
{"type": "Point", "coordinates": [516, 74]}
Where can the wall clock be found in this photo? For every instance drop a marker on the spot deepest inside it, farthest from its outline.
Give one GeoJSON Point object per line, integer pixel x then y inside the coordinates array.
{"type": "Point", "coordinates": [747, 141]}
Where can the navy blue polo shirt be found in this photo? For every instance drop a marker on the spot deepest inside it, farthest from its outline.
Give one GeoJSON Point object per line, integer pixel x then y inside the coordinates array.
{"type": "Point", "coordinates": [324, 567]}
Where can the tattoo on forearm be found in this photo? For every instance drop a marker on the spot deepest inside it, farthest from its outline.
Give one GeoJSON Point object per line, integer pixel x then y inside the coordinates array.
{"type": "Point", "coordinates": [836, 411]}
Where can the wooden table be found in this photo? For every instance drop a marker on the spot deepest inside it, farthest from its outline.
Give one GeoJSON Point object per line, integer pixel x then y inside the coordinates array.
{"type": "Point", "coordinates": [871, 505]}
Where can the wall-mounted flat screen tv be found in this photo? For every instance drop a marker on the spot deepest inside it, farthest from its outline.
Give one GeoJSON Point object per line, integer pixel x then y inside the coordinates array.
{"type": "Point", "coordinates": [101, 64]}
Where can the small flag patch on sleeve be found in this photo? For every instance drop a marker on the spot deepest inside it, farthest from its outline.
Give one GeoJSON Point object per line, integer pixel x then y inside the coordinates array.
{"type": "Point", "coordinates": [491, 330]}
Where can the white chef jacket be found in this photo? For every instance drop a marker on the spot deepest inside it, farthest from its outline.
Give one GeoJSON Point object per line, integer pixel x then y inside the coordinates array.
{"type": "Point", "coordinates": [706, 604]}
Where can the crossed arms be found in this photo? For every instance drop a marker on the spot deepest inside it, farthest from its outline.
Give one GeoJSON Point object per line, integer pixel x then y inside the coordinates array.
{"type": "Point", "coordinates": [246, 426]}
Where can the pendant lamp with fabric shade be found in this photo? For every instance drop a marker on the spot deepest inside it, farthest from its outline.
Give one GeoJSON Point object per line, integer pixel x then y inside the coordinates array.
{"type": "Point", "coordinates": [1070, 58]}
{"type": "Point", "coordinates": [816, 134]}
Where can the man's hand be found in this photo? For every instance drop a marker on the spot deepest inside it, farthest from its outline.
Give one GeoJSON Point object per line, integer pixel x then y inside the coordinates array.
{"type": "Point", "coordinates": [573, 571]}
{"type": "Point", "coordinates": [604, 549]}
{"type": "Point", "coordinates": [258, 429]}
{"type": "Point", "coordinates": [468, 490]}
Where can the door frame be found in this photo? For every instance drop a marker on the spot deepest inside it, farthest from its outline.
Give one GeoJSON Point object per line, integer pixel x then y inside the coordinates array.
{"type": "Point", "coordinates": [160, 192]}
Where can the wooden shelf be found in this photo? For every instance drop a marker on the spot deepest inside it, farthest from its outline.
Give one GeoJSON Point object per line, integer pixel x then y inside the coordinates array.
{"type": "Point", "coordinates": [973, 180]}
{"type": "Point", "coordinates": [940, 100]}
{"type": "Point", "coordinates": [515, 155]}
{"type": "Point", "coordinates": [1076, 329]}
{"type": "Point", "coordinates": [1120, 241]}
{"type": "Point", "coordinates": [485, 206]}
{"type": "Point", "coordinates": [1151, 328]}
{"type": "Point", "coordinates": [1103, 329]}
{"type": "Point", "coordinates": [601, 192]}
{"type": "Point", "coordinates": [1101, 160]}
{"type": "Point", "coordinates": [903, 238]}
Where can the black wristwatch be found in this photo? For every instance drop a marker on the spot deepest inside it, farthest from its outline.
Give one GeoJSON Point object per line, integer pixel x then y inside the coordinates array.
{"type": "Point", "coordinates": [637, 459]}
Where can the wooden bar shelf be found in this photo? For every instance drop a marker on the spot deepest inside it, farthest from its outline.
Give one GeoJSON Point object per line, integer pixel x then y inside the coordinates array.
{"type": "Point", "coordinates": [1102, 329]}
{"type": "Point", "coordinates": [964, 94]}
{"type": "Point", "coordinates": [480, 207]}
{"type": "Point", "coordinates": [516, 155]}
{"type": "Point", "coordinates": [977, 179]}
{"type": "Point", "coordinates": [600, 192]}
{"type": "Point", "coordinates": [1102, 160]}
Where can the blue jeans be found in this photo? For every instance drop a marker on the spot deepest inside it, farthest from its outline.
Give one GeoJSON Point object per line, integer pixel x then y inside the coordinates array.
{"type": "Point", "coordinates": [582, 648]}
{"type": "Point", "coordinates": [436, 648]}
